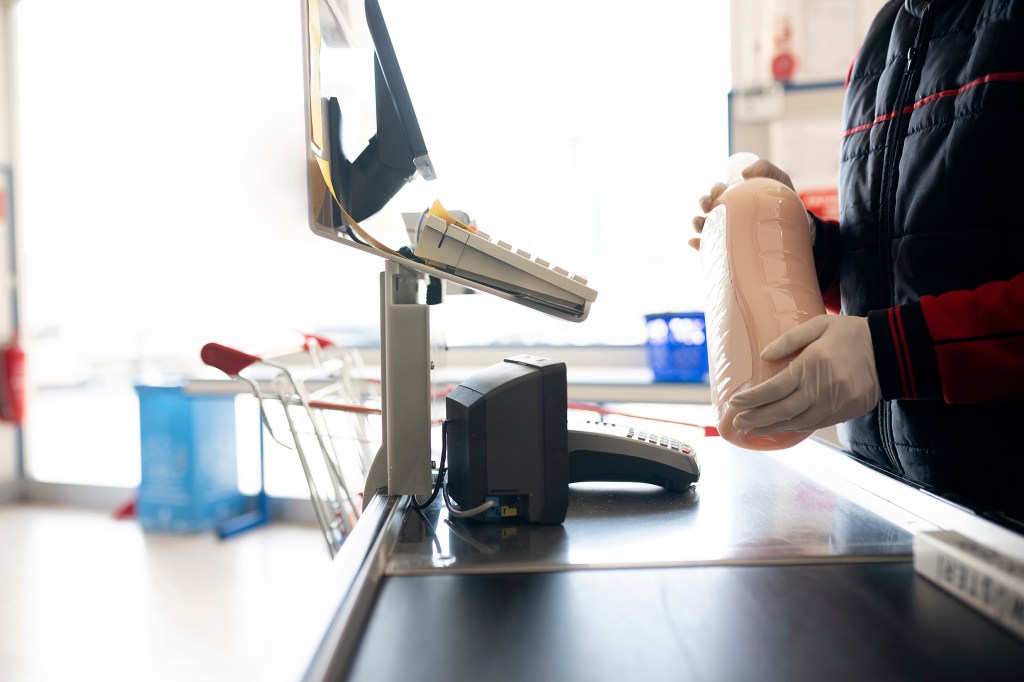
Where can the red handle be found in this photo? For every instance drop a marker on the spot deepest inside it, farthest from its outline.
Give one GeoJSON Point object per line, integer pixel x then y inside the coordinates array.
{"type": "Point", "coordinates": [341, 407]}
{"type": "Point", "coordinates": [322, 340]}
{"type": "Point", "coordinates": [228, 360]}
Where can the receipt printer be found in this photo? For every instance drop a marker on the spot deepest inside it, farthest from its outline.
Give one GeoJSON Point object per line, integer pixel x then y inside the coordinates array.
{"type": "Point", "coordinates": [507, 441]}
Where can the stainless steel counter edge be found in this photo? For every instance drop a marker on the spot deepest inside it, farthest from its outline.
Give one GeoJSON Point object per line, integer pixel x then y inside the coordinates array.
{"type": "Point", "coordinates": [394, 569]}
{"type": "Point", "coordinates": [831, 467]}
{"type": "Point", "coordinates": [356, 575]}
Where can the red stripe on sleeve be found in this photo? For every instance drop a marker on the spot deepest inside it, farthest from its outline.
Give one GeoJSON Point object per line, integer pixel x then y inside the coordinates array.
{"type": "Point", "coordinates": [899, 351]}
{"type": "Point", "coordinates": [903, 353]}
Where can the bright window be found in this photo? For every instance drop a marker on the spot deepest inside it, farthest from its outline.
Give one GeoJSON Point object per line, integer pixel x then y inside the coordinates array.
{"type": "Point", "coordinates": [162, 182]}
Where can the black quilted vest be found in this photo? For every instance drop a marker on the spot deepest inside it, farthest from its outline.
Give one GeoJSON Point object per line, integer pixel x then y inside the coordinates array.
{"type": "Point", "coordinates": [932, 196]}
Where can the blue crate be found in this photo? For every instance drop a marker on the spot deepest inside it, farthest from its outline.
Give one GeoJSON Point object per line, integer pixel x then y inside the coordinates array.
{"type": "Point", "coordinates": [677, 347]}
{"type": "Point", "coordinates": [189, 460]}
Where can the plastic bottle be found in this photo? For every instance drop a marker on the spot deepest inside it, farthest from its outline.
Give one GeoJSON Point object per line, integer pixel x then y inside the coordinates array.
{"type": "Point", "coordinates": [760, 281]}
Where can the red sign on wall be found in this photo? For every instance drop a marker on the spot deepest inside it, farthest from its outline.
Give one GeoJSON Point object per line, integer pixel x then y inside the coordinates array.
{"type": "Point", "coordinates": [823, 203]}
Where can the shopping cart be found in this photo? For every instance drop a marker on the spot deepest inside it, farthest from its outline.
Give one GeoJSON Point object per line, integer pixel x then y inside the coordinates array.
{"type": "Point", "coordinates": [318, 402]}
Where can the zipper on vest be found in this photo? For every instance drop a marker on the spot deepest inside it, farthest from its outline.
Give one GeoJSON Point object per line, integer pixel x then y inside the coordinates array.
{"type": "Point", "coordinates": [887, 208]}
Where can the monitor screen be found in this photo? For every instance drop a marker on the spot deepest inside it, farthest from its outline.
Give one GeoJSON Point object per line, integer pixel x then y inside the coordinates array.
{"type": "Point", "coordinates": [391, 158]}
{"type": "Point", "coordinates": [391, 91]}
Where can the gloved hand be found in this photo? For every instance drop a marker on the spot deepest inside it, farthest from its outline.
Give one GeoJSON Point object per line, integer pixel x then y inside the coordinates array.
{"type": "Point", "coordinates": [831, 379]}
{"type": "Point", "coordinates": [759, 169]}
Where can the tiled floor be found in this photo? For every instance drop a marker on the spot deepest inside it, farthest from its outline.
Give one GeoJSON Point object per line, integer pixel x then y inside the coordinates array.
{"type": "Point", "coordinates": [86, 597]}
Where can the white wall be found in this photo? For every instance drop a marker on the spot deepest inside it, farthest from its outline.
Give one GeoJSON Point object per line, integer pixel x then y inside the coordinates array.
{"type": "Point", "coordinates": [163, 202]}
{"type": "Point", "coordinates": [822, 36]}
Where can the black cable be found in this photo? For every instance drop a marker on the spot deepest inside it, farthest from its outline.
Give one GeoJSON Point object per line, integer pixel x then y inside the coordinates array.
{"type": "Point", "coordinates": [430, 528]}
{"type": "Point", "coordinates": [352, 234]}
{"type": "Point", "coordinates": [441, 470]}
{"type": "Point", "coordinates": [410, 254]}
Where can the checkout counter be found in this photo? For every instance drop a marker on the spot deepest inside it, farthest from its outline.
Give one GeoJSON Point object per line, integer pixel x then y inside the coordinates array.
{"type": "Point", "coordinates": [793, 565]}
{"type": "Point", "coordinates": [775, 566]}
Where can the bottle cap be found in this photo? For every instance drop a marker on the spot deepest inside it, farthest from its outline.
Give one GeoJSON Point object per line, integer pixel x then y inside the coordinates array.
{"type": "Point", "coordinates": [735, 165]}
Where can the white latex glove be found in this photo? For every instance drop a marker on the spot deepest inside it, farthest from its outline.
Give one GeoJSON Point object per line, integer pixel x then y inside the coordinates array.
{"type": "Point", "coordinates": [831, 379]}
{"type": "Point", "coordinates": [759, 169]}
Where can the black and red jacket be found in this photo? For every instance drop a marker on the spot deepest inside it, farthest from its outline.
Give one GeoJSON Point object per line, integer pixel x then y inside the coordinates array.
{"type": "Point", "coordinates": [930, 245]}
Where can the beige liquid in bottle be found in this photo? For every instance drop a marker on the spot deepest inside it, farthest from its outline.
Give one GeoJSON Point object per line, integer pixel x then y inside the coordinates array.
{"type": "Point", "coordinates": [759, 282]}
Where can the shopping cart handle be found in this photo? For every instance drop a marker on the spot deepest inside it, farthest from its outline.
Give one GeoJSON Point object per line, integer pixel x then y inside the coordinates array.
{"type": "Point", "coordinates": [323, 341]}
{"type": "Point", "coordinates": [228, 360]}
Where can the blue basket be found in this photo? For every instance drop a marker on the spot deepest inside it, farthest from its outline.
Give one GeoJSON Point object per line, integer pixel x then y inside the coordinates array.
{"type": "Point", "coordinates": [677, 347]}
{"type": "Point", "coordinates": [189, 467]}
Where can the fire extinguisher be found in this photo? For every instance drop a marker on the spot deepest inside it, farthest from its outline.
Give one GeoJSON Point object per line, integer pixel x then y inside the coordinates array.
{"type": "Point", "coordinates": [784, 62]}
{"type": "Point", "coordinates": [12, 382]}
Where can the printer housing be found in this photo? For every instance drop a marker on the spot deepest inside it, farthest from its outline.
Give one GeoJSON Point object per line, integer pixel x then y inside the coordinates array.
{"type": "Point", "coordinates": [507, 441]}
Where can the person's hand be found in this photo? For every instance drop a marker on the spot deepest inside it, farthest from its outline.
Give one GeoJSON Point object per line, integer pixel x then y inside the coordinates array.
{"type": "Point", "coordinates": [832, 378]}
{"type": "Point", "coordinates": [759, 169]}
